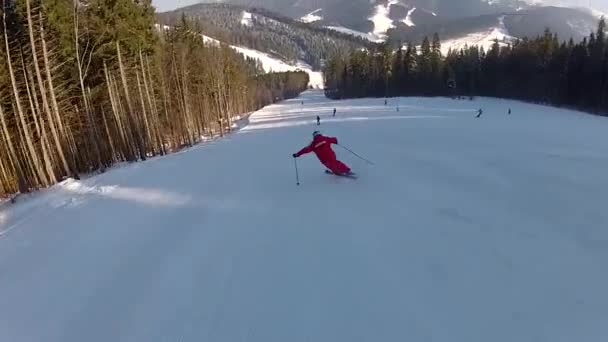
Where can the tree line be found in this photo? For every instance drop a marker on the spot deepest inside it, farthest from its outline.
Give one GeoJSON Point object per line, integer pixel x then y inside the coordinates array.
{"type": "Point", "coordinates": [89, 83]}
{"type": "Point", "coordinates": [541, 69]}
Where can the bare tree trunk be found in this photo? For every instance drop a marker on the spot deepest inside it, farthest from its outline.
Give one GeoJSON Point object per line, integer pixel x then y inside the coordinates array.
{"type": "Point", "coordinates": [48, 164]}
{"type": "Point", "coordinates": [13, 155]}
{"type": "Point", "coordinates": [143, 108]}
{"type": "Point", "coordinates": [32, 151]}
{"type": "Point", "coordinates": [152, 102]}
{"type": "Point", "coordinates": [41, 86]}
{"type": "Point", "coordinates": [110, 139]}
{"type": "Point", "coordinates": [123, 77]}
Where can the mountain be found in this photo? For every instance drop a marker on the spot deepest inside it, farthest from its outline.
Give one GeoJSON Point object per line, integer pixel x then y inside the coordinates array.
{"type": "Point", "coordinates": [404, 20]}
{"type": "Point", "coordinates": [268, 32]}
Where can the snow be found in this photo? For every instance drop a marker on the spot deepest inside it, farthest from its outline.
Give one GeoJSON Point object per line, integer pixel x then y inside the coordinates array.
{"type": "Point", "coordinates": [312, 16]}
{"type": "Point", "coordinates": [270, 64]}
{"type": "Point", "coordinates": [598, 14]}
{"type": "Point", "coordinates": [583, 27]}
{"type": "Point", "coordinates": [483, 39]}
{"type": "Point", "coordinates": [247, 19]}
{"type": "Point", "coordinates": [369, 36]}
{"type": "Point", "coordinates": [408, 19]}
{"type": "Point", "coordinates": [490, 229]}
{"type": "Point", "coordinates": [274, 64]}
{"type": "Point", "coordinates": [381, 20]}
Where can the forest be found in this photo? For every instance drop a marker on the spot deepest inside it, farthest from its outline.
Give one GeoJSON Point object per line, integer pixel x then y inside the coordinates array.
{"type": "Point", "coordinates": [541, 70]}
{"type": "Point", "coordinates": [90, 83]}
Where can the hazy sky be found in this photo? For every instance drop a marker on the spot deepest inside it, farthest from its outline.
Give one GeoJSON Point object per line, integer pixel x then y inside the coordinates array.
{"type": "Point", "coordinates": [167, 5]}
{"type": "Point", "coordinates": [602, 5]}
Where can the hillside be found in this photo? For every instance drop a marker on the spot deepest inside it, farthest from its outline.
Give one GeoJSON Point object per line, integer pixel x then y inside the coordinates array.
{"type": "Point", "coordinates": [411, 20]}
{"type": "Point", "coordinates": [268, 32]}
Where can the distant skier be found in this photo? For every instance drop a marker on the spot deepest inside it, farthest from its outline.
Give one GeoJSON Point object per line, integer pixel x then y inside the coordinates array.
{"type": "Point", "coordinates": [321, 146]}
{"type": "Point", "coordinates": [509, 111]}
{"type": "Point", "coordinates": [479, 113]}
{"type": "Point", "coordinates": [318, 120]}
{"type": "Point", "coordinates": [302, 103]}
{"type": "Point", "coordinates": [385, 102]}
{"type": "Point", "coordinates": [334, 112]}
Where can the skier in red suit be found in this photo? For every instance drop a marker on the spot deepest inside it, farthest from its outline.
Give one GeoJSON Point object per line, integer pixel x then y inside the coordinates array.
{"type": "Point", "coordinates": [321, 146]}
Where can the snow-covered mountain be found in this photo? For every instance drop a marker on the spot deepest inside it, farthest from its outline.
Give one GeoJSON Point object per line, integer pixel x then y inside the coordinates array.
{"type": "Point", "coordinates": [402, 20]}
{"type": "Point", "coordinates": [258, 29]}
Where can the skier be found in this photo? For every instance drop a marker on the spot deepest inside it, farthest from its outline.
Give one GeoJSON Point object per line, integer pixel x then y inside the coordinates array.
{"type": "Point", "coordinates": [385, 102]}
{"type": "Point", "coordinates": [479, 112]}
{"type": "Point", "coordinates": [321, 146]}
{"type": "Point", "coordinates": [509, 111]}
{"type": "Point", "coordinates": [334, 112]}
{"type": "Point", "coordinates": [318, 120]}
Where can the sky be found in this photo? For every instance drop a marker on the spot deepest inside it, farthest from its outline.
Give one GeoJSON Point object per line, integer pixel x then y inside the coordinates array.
{"type": "Point", "coordinates": [601, 5]}
{"type": "Point", "coordinates": [167, 5]}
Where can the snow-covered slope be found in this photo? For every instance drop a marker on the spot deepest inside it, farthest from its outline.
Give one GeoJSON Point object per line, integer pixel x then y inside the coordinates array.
{"type": "Point", "coordinates": [274, 64]}
{"type": "Point", "coordinates": [476, 230]}
{"type": "Point", "coordinates": [247, 19]}
{"type": "Point", "coordinates": [483, 39]}
{"type": "Point", "coordinates": [369, 36]}
{"type": "Point", "coordinates": [381, 20]}
{"type": "Point", "coordinates": [408, 19]}
{"type": "Point", "coordinates": [312, 16]}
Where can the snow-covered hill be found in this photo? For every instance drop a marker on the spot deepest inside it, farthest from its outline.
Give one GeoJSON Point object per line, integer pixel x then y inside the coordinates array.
{"type": "Point", "coordinates": [477, 230]}
{"type": "Point", "coordinates": [372, 37]}
{"type": "Point", "coordinates": [484, 39]}
{"type": "Point", "coordinates": [313, 16]}
{"type": "Point", "coordinates": [412, 20]}
{"type": "Point", "coordinates": [276, 64]}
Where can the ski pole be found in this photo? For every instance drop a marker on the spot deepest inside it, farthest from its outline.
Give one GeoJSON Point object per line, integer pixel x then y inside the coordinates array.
{"type": "Point", "coordinates": [295, 163]}
{"type": "Point", "coordinates": [356, 155]}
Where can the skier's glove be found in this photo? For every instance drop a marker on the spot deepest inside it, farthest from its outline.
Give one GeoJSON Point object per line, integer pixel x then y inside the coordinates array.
{"type": "Point", "coordinates": [295, 155]}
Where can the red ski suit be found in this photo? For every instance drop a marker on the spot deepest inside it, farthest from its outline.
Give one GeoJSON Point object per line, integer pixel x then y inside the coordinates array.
{"type": "Point", "coordinates": [321, 146]}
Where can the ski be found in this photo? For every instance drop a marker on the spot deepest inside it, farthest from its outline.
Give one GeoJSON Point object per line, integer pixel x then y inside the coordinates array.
{"type": "Point", "coordinates": [348, 175]}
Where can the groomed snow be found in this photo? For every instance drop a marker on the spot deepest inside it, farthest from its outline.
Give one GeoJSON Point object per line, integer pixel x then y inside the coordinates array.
{"type": "Point", "coordinates": [408, 19]}
{"type": "Point", "coordinates": [312, 16]}
{"type": "Point", "coordinates": [381, 20]}
{"type": "Point", "coordinates": [369, 36]}
{"type": "Point", "coordinates": [483, 39]}
{"type": "Point", "coordinates": [246, 19]}
{"type": "Point", "coordinates": [476, 230]}
{"type": "Point", "coordinates": [274, 64]}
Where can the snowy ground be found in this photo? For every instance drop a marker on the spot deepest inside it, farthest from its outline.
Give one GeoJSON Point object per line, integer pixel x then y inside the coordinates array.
{"type": "Point", "coordinates": [381, 20]}
{"type": "Point", "coordinates": [483, 39]}
{"type": "Point", "coordinates": [369, 36]}
{"type": "Point", "coordinates": [491, 229]}
{"type": "Point", "coordinates": [312, 16]}
{"type": "Point", "coordinates": [274, 64]}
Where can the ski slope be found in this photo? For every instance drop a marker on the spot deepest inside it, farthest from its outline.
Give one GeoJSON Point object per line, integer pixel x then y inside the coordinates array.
{"type": "Point", "coordinates": [372, 37]}
{"type": "Point", "coordinates": [312, 16]}
{"type": "Point", "coordinates": [483, 39]}
{"type": "Point", "coordinates": [382, 21]}
{"type": "Point", "coordinates": [491, 229]}
{"type": "Point", "coordinates": [274, 64]}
